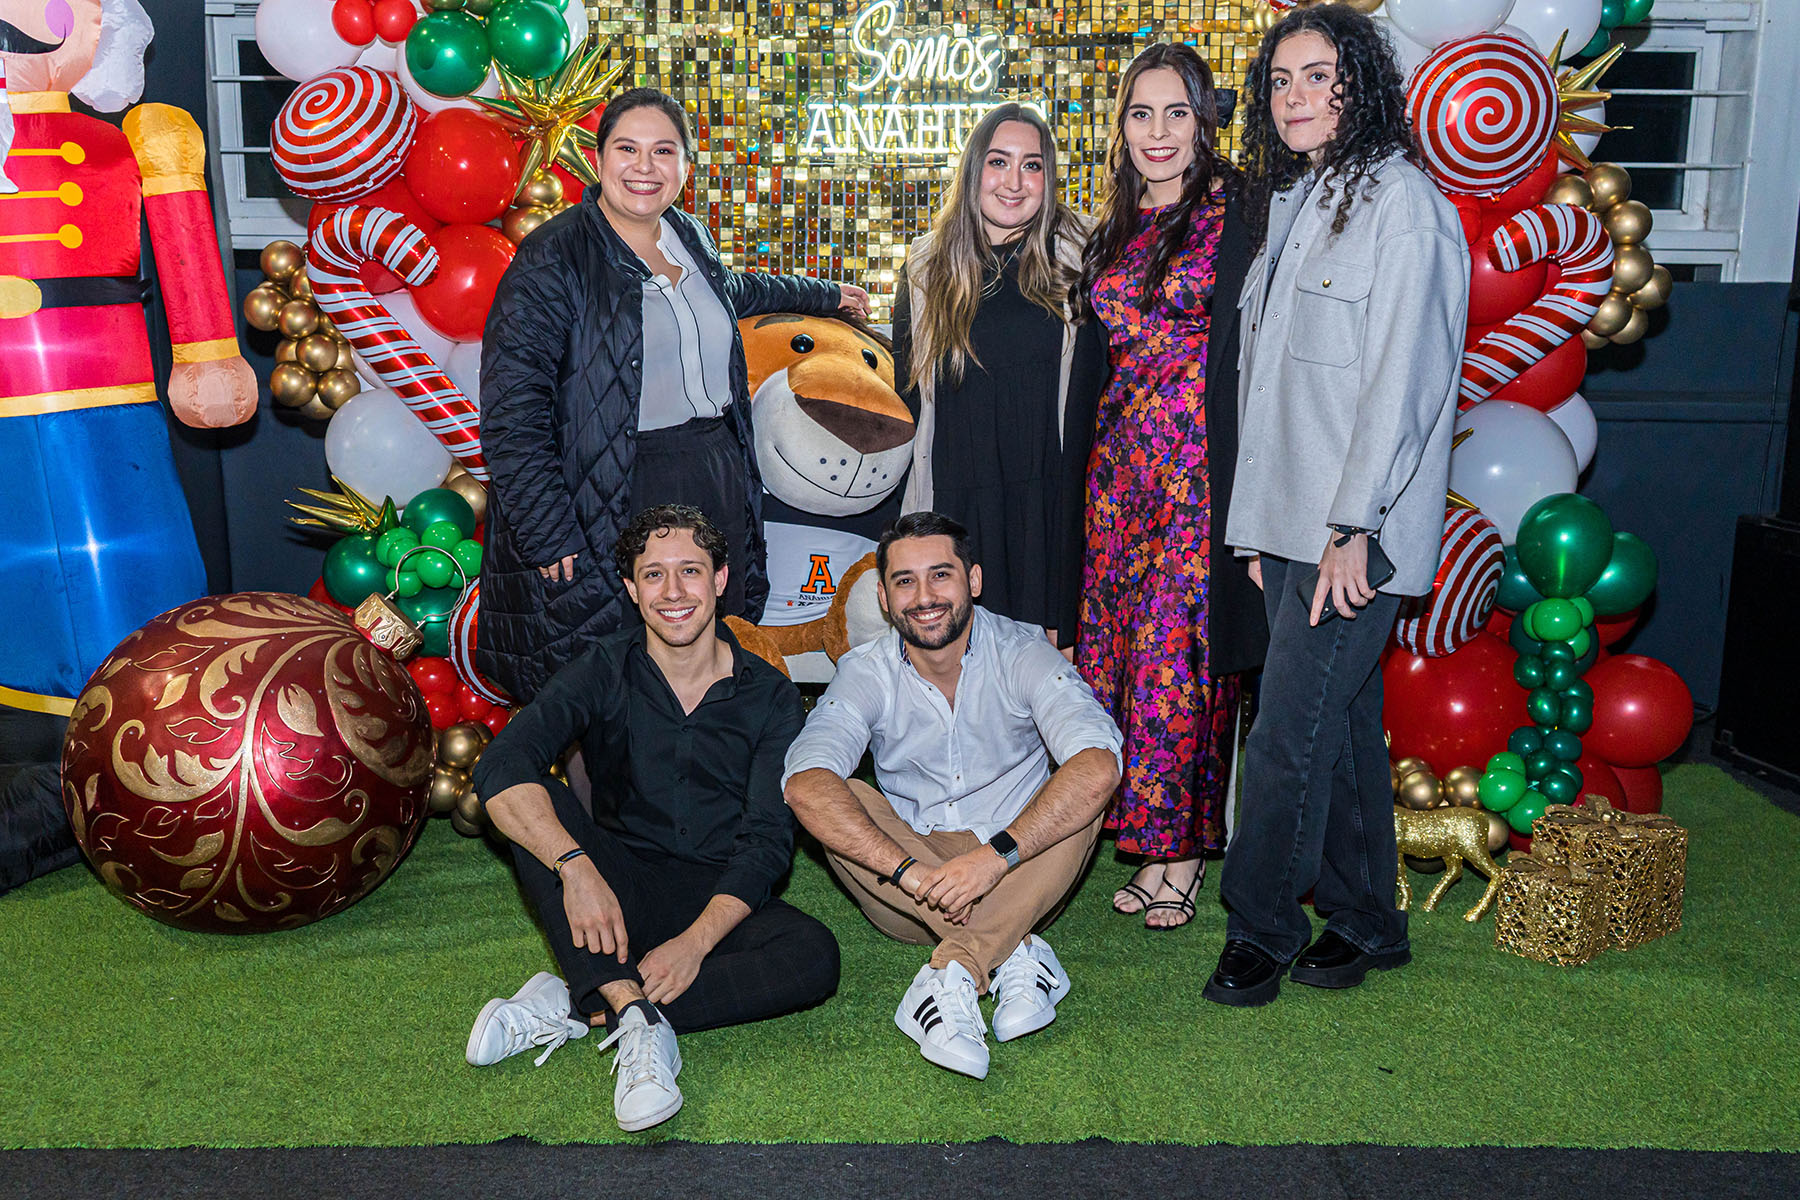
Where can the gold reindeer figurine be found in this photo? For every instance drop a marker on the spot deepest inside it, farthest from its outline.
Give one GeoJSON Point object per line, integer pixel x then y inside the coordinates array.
{"type": "Point", "coordinates": [1456, 835]}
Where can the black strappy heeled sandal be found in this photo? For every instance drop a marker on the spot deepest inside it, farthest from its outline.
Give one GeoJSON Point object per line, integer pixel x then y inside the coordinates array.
{"type": "Point", "coordinates": [1184, 906]}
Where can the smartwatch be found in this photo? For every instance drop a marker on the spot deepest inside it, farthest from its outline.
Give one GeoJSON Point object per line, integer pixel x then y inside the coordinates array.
{"type": "Point", "coordinates": [1005, 847]}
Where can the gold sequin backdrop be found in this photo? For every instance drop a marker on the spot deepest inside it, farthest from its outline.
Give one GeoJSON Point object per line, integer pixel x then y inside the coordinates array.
{"type": "Point", "coordinates": [745, 74]}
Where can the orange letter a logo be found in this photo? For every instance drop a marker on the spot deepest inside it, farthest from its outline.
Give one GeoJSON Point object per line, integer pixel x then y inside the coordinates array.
{"type": "Point", "coordinates": [818, 582]}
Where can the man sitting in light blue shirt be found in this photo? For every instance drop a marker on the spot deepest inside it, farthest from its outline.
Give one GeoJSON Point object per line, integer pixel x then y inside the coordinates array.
{"type": "Point", "coordinates": [976, 836]}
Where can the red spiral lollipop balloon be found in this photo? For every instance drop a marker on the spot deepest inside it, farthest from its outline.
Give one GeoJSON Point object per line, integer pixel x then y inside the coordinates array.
{"type": "Point", "coordinates": [1462, 596]}
{"type": "Point", "coordinates": [345, 133]}
{"type": "Point", "coordinates": [1484, 109]}
{"type": "Point", "coordinates": [355, 235]}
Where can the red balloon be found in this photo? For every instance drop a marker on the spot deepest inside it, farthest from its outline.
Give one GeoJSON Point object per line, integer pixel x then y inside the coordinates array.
{"type": "Point", "coordinates": [1524, 194]}
{"type": "Point", "coordinates": [394, 19]}
{"type": "Point", "coordinates": [1642, 711]}
{"type": "Point", "coordinates": [464, 167]}
{"type": "Point", "coordinates": [1500, 623]}
{"type": "Point", "coordinates": [354, 21]}
{"type": "Point", "coordinates": [1453, 711]}
{"type": "Point", "coordinates": [1469, 209]}
{"type": "Point", "coordinates": [1518, 844]}
{"type": "Point", "coordinates": [435, 676]}
{"type": "Point", "coordinates": [496, 720]}
{"type": "Point", "coordinates": [1599, 779]}
{"type": "Point", "coordinates": [1496, 295]}
{"type": "Point", "coordinates": [390, 195]}
{"type": "Point", "coordinates": [471, 260]}
{"type": "Point", "coordinates": [1613, 630]}
{"type": "Point", "coordinates": [317, 592]}
{"type": "Point", "coordinates": [443, 710]}
{"type": "Point", "coordinates": [1547, 383]}
{"type": "Point", "coordinates": [1643, 787]}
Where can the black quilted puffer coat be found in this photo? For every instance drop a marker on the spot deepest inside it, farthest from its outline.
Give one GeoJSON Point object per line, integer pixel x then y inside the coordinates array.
{"type": "Point", "coordinates": [561, 371]}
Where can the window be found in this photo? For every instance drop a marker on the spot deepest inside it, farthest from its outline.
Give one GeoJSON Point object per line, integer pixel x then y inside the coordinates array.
{"type": "Point", "coordinates": [247, 93]}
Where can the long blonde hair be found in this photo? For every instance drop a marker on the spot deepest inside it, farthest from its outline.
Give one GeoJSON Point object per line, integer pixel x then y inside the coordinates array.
{"type": "Point", "coordinates": [953, 270]}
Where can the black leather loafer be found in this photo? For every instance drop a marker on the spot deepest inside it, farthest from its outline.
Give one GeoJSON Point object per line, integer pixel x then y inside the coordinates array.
{"type": "Point", "coordinates": [1332, 962]}
{"type": "Point", "coordinates": [1246, 977]}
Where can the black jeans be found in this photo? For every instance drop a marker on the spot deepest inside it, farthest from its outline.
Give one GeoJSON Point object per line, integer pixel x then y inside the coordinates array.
{"type": "Point", "coordinates": [1318, 808]}
{"type": "Point", "coordinates": [777, 960]}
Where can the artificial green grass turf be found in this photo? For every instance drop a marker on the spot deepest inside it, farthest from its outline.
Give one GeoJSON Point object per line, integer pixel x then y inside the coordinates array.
{"type": "Point", "coordinates": [120, 1032]}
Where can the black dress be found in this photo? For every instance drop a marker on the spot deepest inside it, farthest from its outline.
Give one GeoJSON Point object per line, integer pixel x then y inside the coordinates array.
{"type": "Point", "coordinates": [1003, 467]}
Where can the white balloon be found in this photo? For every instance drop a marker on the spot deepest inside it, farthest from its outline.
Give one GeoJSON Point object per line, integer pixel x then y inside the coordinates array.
{"type": "Point", "coordinates": [490, 87]}
{"type": "Point", "coordinates": [379, 447]}
{"type": "Point", "coordinates": [1514, 457]}
{"type": "Point", "coordinates": [1408, 53]}
{"type": "Point", "coordinates": [1575, 417]}
{"type": "Point", "coordinates": [464, 369]}
{"type": "Point", "coordinates": [401, 307]}
{"type": "Point", "coordinates": [297, 38]}
{"type": "Point", "coordinates": [1434, 22]}
{"type": "Point", "coordinates": [1546, 20]}
{"type": "Point", "coordinates": [575, 14]}
{"type": "Point", "coordinates": [380, 55]}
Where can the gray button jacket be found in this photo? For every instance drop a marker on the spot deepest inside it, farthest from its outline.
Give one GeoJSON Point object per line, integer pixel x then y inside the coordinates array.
{"type": "Point", "coordinates": [1350, 358]}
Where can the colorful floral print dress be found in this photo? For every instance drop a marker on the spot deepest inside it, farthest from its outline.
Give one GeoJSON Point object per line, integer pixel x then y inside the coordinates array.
{"type": "Point", "coordinates": [1149, 549]}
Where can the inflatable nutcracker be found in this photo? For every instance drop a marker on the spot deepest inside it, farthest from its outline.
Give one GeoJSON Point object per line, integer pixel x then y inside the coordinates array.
{"type": "Point", "coordinates": [97, 538]}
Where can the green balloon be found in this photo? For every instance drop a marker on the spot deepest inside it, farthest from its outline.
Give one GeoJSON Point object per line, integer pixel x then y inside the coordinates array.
{"type": "Point", "coordinates": [352, 571]}
{"type": "Point", "coordinates": [1612, 13]}
{"type": "Point", "coordinates": [468, 552]}
{"type": "Point", "coordinates": [1557, 652]}
{"type": "Point", "coordinates": [1559, 788]}
{"type": "Point", "coordinates": [447, 53]}
{"type": "Point", "coordinates": [1597, 44]}
{"type": "Point", "coordinates": [1636, 11]}
{"type": "Point", "coordinates": [1541, 705]}
{"type": "Point", "coordinates": [1516, 593]}
{"type": "Point", "coordinates": [405, 583]}
{"type": "Point", "coordinates": [394, 543]}
{"type": "Point", "coordinates": [1564, 542]}
{"type": "Point", "coordinates": [1521, 641]}
{"type": "Point", "coordinates": [480, 8]}
{"type": "Point", "coordinates": [1580, 691]}
{"type": "Point", "coordinates": [436, 569]}
{"type": "Point", "coordinates": [1555, 620]}
{"type": "Point", "coordinates": [528, 37]}
{"type": "Point", "coordinates": [1524, 742]}
{"type": "Point", "coordinates": [1500, 790]}
{"type": "Point", "coordinates": [1585, 607]}
{"type": "Point", "coordinates": [442, 534]}
{"type": "Point", "coordinates": [1506, 761]}
{"type": "Point", "coordinates": [1629, 578]}
{"type": "Point", "coordinates": [1529, 808]}
{"type": "Point", "coordinates": [1581, 643]}
{"type": "Point", "coordinates": [439, 504]}
{"type": "Point", "coordinates": [1565, 746]}
{"type": "Point", "coordinates": [1540, 764]}
{"type": "Point", "coordinates": [430, 611]}
{"type": "Point", "coordinates": [1528, 671]}
{"type": "Point", "coordinates": [1576, 716]}
{"type": "Point", "coordinates": [1559, 675]}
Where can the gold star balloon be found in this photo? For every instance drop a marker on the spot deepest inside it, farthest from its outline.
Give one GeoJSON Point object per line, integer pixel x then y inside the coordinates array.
{"type": "Point", "coordinates": [1575, 88]}
{"type": "Point", "coordinates": [346, 510]}
{"type": "Point", "coordinates": [545, 111]}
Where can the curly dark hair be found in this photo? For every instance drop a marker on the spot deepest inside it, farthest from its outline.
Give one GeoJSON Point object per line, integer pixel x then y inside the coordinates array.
{"type": "Point", "coordinates": [660, 519]}
{"type": "Point", "coordinates": [1119, 213]}
{"type": "Point", "coordinates": [1370, 97]}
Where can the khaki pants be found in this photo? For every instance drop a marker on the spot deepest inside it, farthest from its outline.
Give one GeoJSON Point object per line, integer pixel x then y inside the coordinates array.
{"type": "Point", "coordinates": [1025, 899]}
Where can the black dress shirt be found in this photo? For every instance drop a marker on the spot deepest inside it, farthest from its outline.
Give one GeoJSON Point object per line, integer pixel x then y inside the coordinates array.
{"type": "Point", "coordinates": [702, 787]}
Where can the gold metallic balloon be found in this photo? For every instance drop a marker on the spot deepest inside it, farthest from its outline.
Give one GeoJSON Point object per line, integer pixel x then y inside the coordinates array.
{"type": "Point", "coordinates": [315, 410]}
{"type": "Point", "coordinates": [1406, 766]}
{"type": "Point", "coordinates": [1627, 223]}
{"type": "Point", "coordinates": [292, 384]}
{"type": "Point", "coordinates": [287, 350]}
{"type": "Point", "coordinates": [543, 188]}
{"type": "Point", "coordinates": [447, 787]}
{"type": "Point", "coordinates": [468, 807]}
{"type": "Point", "coordinates": [1611, 316]}
{"type": "Point", "coordinates": [336, 387]}
{"type": "Point", "coordinates": [1611, 184]}
{"type": "Point", "coordinates": [298, 318]}
{"type": "Point", "coordinates": [346, 359]}
{"type": "Point", "coordinates": [262, 307]}
{"type": "Point", "coordinates": [1462, 786]}
{"type": "Point", "coordinates": [299, 286]}
{"type": "Point", "coordinates": [1499, 832]}
{"type": "Point", "coordinates": [463, 825]}
{"type": "Point", "coordinates": [1634, 328]}
{"type": "Point", "coordinates": [1594, 341]}
{"type": "Point", "coordinates": [1655, 292]}
{"type": "Point", "coordinates": [316, 352]}
{"type": "Point", "coordinates": [281, 259]}
{"type": "Point", "coordinates": [1419, 790]}
{"type": "Point", "coordinates": [1632, 266]}
{"type": "Point", "coordinates": [470, 489]}
{"type": "Point", "coordinates": [521, 221]}
{"type": "Point", "coordinates": [1570, 189]}
{"type": "Point", "coordinates": [326, 327]}
{"type": "Point", "coordinates": [459, 745]}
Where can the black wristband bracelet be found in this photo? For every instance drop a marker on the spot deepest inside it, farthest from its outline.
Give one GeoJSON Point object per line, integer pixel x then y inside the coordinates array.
{"type": "Point", "coordinates": [901, 870]}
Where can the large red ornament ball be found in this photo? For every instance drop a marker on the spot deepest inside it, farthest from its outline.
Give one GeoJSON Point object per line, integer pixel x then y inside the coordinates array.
{"type": "Point", "coordinates": [342, 134]}
{"type": "Point", "coordinates": [246, 763]}
{"type": "Point", "coordinates": [1452, 711]}
{"type": "Point", "coordinates": [1642, 711]}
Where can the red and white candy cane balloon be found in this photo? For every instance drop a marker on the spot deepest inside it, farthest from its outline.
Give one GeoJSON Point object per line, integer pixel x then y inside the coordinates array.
{"type": "Point", "coordinates": [1576, 241]}
{"type": "Point", "coordinates": [1462, 597]}
{"type": "Point", "coordinates": [358, 234]}
{"type": "Point", "coordinates": [464, 620]}
{"type": "Point", "coordinates": [1484, 109]}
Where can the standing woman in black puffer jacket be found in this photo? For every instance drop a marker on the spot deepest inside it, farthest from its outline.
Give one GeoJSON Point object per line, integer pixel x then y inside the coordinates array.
{"type": "Point", "coordinates": [612, 378]}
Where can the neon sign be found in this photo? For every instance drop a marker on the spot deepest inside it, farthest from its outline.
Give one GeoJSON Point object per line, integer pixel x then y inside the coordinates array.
{"type": "Point", "coordinates": [966, 66]}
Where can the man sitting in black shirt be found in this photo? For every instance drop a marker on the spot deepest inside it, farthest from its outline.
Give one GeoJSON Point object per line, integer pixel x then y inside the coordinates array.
{"type": "Point", "coordinates": [657, 906]}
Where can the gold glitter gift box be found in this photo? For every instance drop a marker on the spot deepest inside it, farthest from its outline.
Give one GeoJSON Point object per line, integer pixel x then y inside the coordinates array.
{"type": "Point", "coordinates": [1549, 911]}
{"type": "Point", "coordinates": [1641, 857]}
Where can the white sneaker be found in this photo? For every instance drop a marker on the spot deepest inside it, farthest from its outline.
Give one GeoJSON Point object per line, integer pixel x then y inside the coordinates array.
{"type": "Point", "coordinates": [535, 1015]}
{"type": "Point", "coordinates": [1027, 988]}
{"type": "Point", "coordinates": [646, 1066]}
{"type": "Point", "coordinates": [939, 1012]}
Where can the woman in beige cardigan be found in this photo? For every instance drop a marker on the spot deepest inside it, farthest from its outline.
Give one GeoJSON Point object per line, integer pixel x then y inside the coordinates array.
{"type": "Point", "coordinates": [1002, 381]}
